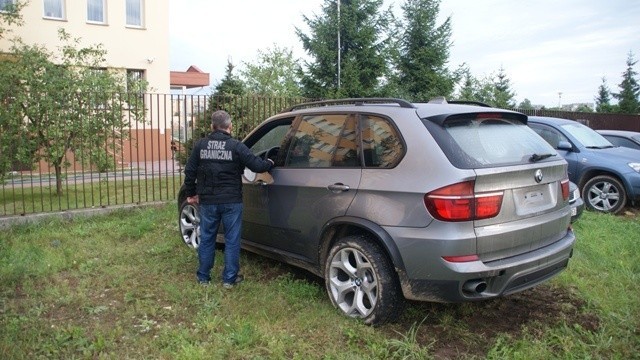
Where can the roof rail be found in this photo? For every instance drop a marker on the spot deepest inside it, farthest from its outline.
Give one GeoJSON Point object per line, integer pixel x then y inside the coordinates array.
{"type": "Point", "coordinates": [355, 101]}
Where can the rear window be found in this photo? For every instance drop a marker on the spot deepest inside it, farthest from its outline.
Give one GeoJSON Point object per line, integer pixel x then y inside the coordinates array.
{"type": "Point", "coordinates": [486, 142]}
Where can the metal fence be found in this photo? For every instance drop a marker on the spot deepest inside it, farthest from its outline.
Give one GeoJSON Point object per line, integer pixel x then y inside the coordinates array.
{"type": "Point", "coordinates": [146, 165]}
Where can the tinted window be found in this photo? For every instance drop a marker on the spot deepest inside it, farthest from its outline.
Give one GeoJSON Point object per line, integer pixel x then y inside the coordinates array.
{"type": "Point", "coordinates": [381, 145]}
{"type": "Point", "coordinates": [315, 141]}
{"type": "Point", "coordinates": [491, 142]}
{"type": "Point", "coordinates": [347, 151]}
{"type": "Point", "coordinates": [271, 139]}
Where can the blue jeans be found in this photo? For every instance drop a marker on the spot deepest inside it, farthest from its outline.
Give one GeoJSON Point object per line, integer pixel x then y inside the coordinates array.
{"type": "Point", "coordinates": [210, 217]}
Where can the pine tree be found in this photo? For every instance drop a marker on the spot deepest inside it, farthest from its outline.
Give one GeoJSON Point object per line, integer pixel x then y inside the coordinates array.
{"type": "Point", "coordinates": [468, 88]}
{"type": "Point", "coordinates": [629, 95]}
{"type": "Point", "coordinates": [603, 101]}
{"type": "Point", "coordinates": [230, 84]}
{"type": "Point", "coordinates": [503, 96]}
{"type": "Point", "coordinates": [424, 51]}
{"type": "Point", "coordinates": [363, 50]}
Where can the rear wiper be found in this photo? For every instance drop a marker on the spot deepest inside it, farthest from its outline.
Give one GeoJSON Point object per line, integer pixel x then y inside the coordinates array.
{"type": "Point", "coordinates": [538, 157]}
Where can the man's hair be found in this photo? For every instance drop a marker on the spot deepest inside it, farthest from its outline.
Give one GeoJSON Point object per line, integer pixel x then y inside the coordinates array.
{"type": "Point", "coordinates": [220, 120]}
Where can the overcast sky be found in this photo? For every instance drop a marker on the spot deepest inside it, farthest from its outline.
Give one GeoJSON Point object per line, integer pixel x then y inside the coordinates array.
{"type": "Point", "coordinates": [546, 47]}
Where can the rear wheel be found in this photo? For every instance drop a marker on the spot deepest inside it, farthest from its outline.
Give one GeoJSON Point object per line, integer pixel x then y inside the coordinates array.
{"type": "Point", "coordinates": [190, 224]}
{"type": "Point", "coordinates": [361, 281]}
{"type": "Point", "coordinates": [604, 193]}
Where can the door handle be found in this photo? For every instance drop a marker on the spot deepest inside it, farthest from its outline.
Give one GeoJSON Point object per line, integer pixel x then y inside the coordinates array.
{"type": "Point", "coordinates": [338, 188]}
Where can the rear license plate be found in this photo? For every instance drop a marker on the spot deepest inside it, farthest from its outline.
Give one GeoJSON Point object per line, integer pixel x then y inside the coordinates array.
{"type": "Point", "coordinates": [533, 197]}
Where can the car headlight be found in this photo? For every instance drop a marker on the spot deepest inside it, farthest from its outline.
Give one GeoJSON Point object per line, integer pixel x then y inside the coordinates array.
{"type": "Point", "coordinates": [635, 166]}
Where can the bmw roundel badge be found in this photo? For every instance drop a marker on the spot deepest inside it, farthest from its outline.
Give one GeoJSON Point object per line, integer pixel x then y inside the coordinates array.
{"type": "Point", "coordinates": [538, 176]}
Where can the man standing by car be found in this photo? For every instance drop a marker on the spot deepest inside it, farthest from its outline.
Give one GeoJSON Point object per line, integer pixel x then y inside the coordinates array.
{"type": "Point", "coordinates": [213, 180]}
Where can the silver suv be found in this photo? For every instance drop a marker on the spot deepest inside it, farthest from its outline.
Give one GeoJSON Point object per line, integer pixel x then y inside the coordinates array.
{"type": "Point", "coordinates": [387, 199]}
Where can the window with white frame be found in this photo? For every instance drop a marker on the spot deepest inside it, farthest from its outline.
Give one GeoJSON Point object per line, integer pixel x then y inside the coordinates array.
{"type": "Point", "coordinates": [54, 9]}
{"type": "Point", "coordinates": [134, 13]}
{"type": "Point", "coordinates": [4, 4]}
{"type": "Point", "coordinates": [96, 11]}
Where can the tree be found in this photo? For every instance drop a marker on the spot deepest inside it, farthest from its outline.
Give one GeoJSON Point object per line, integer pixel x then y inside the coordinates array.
{"type": "Point", "coordinates": [230, 84]}
{"type": "Point", "coordinates": [493, 89]}
{"type": "Point", "coordinates": [525, 105]}
{"type": "Point", "coordinates": [503, 96]}
{"type": "Point", "coordinates": [363, 50]}
{"type": "Point", "coordinates": [424, 52]}
{"type": "Point", "coordinates": [629, 95]}
{"type": "Point", "coordinates": [603, 100]}
{"type": "Point", "coordinates": [274, 73]}
{"type": "Point", "coordinates": [10, 15]}
{"type": "Point", "coordinates": [468, 87]}
{"type": "Point", "coordinates": [73, 105]}
{"type": "Point", "coordinates": [584, 108]}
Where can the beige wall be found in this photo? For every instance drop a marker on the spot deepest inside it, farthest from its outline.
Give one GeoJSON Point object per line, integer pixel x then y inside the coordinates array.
{"type": "Point", "coordinates": [145, 48]}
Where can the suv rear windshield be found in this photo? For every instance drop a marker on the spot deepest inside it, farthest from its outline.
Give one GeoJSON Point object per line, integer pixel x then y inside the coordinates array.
{"type": "Point", "coordinates": [488, 142]}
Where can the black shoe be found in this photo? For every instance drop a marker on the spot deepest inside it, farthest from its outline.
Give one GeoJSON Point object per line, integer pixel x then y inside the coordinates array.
{"type": "Point", "coordinates": [239, 279]}
{"type": "Point", "coordinates": [204, 283]}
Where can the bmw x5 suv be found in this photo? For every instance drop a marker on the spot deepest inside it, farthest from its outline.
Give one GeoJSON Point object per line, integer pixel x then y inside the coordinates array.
{"type": "Point", "coordinates": [389, 200]}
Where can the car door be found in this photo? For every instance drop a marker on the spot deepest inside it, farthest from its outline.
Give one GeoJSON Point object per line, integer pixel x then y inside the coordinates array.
{"type": "Point", "coordinates": [256, 217]}
{"type": "Point", "coordinates": [316, 179]}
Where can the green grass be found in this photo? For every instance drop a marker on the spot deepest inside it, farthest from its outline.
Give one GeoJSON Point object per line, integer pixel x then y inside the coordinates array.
{"type": "Point", "coordinates": [123, 286]}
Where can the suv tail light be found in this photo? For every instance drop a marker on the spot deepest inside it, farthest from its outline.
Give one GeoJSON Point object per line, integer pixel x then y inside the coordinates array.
{"type": "Point", "coordinates": [459, 202]}
{"type": "Point", "coordinates": [565, 189]}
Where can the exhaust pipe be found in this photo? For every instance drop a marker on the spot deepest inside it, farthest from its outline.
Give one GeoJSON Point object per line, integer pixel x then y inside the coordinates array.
{"type": "Point", "coordinates": [475, 286]}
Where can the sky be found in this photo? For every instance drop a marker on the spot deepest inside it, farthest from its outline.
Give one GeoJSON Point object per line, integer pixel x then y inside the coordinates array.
{"type": "Point", "coordinates": [554, 52]}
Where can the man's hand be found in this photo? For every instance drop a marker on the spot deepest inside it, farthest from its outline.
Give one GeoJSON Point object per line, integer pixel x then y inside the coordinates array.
{"type": "Point", "coordinates": [193, 200]}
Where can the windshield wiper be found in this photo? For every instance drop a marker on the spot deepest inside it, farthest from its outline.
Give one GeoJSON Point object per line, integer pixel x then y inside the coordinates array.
{"type": "Point", "coordinates": [538, 157]}
{"type": "Point", "coordinates": [600, 147]}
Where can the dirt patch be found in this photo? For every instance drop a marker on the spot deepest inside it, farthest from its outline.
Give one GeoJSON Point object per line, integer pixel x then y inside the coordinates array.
{"type": "Point", "coordinates": [480, 323]}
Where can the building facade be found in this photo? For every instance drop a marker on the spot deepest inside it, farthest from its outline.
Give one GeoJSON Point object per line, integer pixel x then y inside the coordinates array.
{"type": "Point", "coordinates": [135, 33]}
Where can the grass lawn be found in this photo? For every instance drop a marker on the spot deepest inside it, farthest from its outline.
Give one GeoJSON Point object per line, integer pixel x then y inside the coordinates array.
{"type": "Point", "coordinates": [123, 286]}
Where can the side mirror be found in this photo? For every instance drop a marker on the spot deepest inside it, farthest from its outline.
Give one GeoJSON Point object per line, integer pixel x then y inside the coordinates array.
{"type": "Point", "coordinates": [564, 145]}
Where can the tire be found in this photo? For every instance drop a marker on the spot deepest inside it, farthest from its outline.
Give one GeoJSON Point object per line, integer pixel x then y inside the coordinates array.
{"type": "Point", "coordinates": [189, 224]}
{"type": "Point", "coordinates": [604, 193]}
{"type": "Point", "coordinates": [361, 281]}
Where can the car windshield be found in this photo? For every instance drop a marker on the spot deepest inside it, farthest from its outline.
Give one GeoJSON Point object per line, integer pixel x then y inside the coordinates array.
{"type": "Point", "coordinates": [588, 137]}
{"type": "Point", "coordinates": [636, 138]}
{"type": "Point", "coordinates": [491, 142]}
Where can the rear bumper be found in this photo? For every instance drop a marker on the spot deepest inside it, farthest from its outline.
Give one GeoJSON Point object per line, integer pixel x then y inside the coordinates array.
{"type": "Point", "coordinates": [458, 282]}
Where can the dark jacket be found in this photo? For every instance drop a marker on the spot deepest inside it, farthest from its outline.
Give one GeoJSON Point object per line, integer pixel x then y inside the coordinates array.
{"type": "Point", "coordinates": [215, 167]}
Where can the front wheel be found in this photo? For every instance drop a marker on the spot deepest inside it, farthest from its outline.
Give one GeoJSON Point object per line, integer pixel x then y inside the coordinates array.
{"type": "Point", "coordinates": [604, 193]}
{"type": "Point", "coordinates": [189, 221]}
{"type": "Point", "coordinates": [361, 282]}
